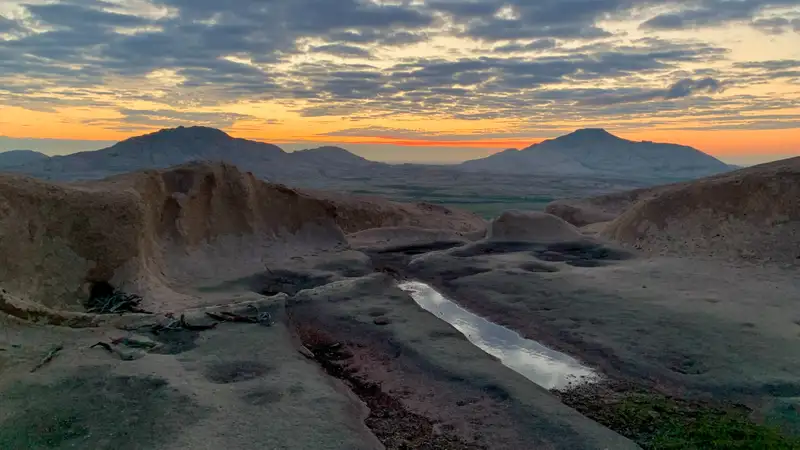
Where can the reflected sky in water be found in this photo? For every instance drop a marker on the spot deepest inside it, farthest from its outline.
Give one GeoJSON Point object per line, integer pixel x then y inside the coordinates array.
{"type": "Point", "coordinates": [545, 367]}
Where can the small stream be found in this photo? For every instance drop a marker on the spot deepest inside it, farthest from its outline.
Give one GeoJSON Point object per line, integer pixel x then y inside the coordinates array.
{"type": "Point", "coordinates": [546, 367]}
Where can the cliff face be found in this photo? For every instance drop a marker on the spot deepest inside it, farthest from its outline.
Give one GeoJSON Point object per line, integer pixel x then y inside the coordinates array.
{"type": "Point", "coordinates": [152, 231]}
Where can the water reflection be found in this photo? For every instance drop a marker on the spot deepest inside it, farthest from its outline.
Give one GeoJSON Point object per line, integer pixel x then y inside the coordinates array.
{"type": "Point", "coordinates": [545, 367]}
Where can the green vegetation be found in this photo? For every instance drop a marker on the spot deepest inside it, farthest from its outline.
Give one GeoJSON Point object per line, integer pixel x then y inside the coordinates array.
{"type": "Point", "coordinates": [784, 413]}
{"type": "Point", "coordinates": [659, 422]}
{"type": "Point", "coordinates": [664, 423]}
{"type": "Point", "coordinates": [492, 210]}
{"type": "Point", "coordinates": [487, 206]}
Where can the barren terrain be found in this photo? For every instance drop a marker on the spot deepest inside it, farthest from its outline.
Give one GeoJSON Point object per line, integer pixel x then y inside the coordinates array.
{"type": "Point", "coordinates": [197, 307]}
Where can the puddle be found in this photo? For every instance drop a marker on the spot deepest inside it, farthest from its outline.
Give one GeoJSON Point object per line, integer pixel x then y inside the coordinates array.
{"type": "Point", "coordinates": [546, 367]}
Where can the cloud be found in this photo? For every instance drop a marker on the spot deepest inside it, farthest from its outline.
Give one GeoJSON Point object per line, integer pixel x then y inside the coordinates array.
{"type": "Point", "coordinates": [771, 65]}
{"type": "Point", "coordinates": [491, 87]}
{"type": "Point", "coordinates": [342, 50]}
{"type": "Point", "coordinates": [776, 25]}
{"type": "Point", "coordinates": [78, 16]}
{"type": "Point", "coordinates": [483, 59]}
{"type": "Point", "coordinates": [138, 118]}
{"type": "Point", "coordinates": [204, 42]}
{"type": "Point", "coordinates": [707, 13]}
{"type": "Point", "coordinates": [688, 86]}
{"type": "Point", "coordinates": [382, 37]}
{"type": "Point", "coordinates": [754, 72]}
{"type": "Point", "coordinates": [681, 89]}
{"type": "Point", "coordinates": [391, 133]}
{"type": "Point", "coordinates": [496, 20]}
{"type": "Point", "coordinates": [8, 25]}
{"type": "Point", "coordinates": [380, 131]}
{"type": "Point", "coordinates": [539, 44]}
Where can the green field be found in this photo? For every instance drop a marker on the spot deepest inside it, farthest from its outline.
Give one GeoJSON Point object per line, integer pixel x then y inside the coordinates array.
{"type": "Point", "coordinates": [487, 206]}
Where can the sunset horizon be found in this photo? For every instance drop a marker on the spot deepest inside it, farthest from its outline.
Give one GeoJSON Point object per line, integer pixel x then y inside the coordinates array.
{"type": "Point", "coordinates": [434, 80]}
{"type": "Point", "coordinates": [392, 149]}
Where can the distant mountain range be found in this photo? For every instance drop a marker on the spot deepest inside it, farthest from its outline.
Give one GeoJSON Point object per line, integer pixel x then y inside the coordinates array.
{"type": "Point", "coordinates": [15, 158]}
{"type": "Point", "coordinates": [594, 151]}
{"type": "Point", "coordinates": [175, 146]}
{"type": "Point", "coordinates": [588, 152]}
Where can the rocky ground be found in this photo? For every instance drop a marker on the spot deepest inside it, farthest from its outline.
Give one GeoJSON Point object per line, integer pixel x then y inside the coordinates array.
{"type": "Point", "coordinates": [666, 328]}
{"type": "Point", "coordinates": [349, 362]}
{"type": "Point", "coordinates": [256, 330]}
{"type": "Point", "coordinates": [353, 362]}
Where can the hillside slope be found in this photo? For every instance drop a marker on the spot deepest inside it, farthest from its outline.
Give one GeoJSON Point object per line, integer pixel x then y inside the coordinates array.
{"type": "Point", "coordinates": [752, 213]}
{"type": "Point", "coordinates": [597, 152]}
{"type": "Point", "coordinates": [152, 232]}
{"type": "Point", "coordinates": [15, 158]}
{"type": "Point", "coordinates": [171, 147]}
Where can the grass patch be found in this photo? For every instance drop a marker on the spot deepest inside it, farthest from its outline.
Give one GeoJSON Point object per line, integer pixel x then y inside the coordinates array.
{"type": "Point", "coordinates": [486, 206]}
{"type": "Point", "coordinates": [659, 422]}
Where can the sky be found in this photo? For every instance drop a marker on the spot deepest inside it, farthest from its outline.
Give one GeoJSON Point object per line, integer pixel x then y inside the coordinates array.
{"type": "Point", "coordinates": [404, 80]}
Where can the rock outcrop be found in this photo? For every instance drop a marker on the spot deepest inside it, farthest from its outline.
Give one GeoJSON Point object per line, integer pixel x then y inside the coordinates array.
{"type": "Point", "coordinates": [156, 232]}
{"type": "Point", "coordinates": [752, 213]}
{"type": "Point", "coordinates": [524, 226]}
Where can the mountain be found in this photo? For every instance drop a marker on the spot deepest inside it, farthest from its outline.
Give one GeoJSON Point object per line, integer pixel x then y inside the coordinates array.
{"type": "Point", "coordinates": [175, 146]}
{"type": "Point", "coordinates": [594, 151]}
{"type": "Point", "coordinates": [13, 158]}
{"type": "Point", "coordinates": [331, 155]}
{"type": "Point", "coordinates": [589, 152]}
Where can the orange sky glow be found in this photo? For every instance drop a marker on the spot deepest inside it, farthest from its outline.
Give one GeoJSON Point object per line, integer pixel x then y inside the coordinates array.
{"type": "Point", "coordinates": [414, 79]}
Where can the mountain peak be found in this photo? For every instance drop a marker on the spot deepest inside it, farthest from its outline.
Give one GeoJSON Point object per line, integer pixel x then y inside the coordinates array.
{"type": "Point", "coordinates": [14, 158]}
{"type": "Point", "coordinates": [595, 151]}
{"type": "Point", "coordinates": [590, 133]}
{"type": "Point", "coordinates": [193, 132]}
{"type": "Point", "coordinates": [331, 154]}
{"type": "Point", "coordinates": [327, 149]}
{"type": "Point", "coordinates": [182, 134]}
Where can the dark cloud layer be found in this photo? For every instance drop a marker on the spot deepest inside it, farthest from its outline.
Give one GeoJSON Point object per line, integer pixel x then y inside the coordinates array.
{"type": "Point", "coordinates": [76, 16]}
{"type": "Point", "coordinates": [705, 13]}
{"type": "Point", "coordinates": [777, 25]}
{"type": "Point", "coordinates": [680, 89]}
{"type": "Point", "coordinates": [343, 50]}
{"type": "Point", "coordinates": [543, 54]}
{"type": "Point", "coordinates": [8, 25]}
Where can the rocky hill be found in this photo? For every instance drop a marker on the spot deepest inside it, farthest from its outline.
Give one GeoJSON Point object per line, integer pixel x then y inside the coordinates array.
{"type": "Point", "coordinates": [597, 152]}
{"type": "Point", "coordinates": [151, 232]}
{"type": "Point", "coordinates": [751, 213]}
